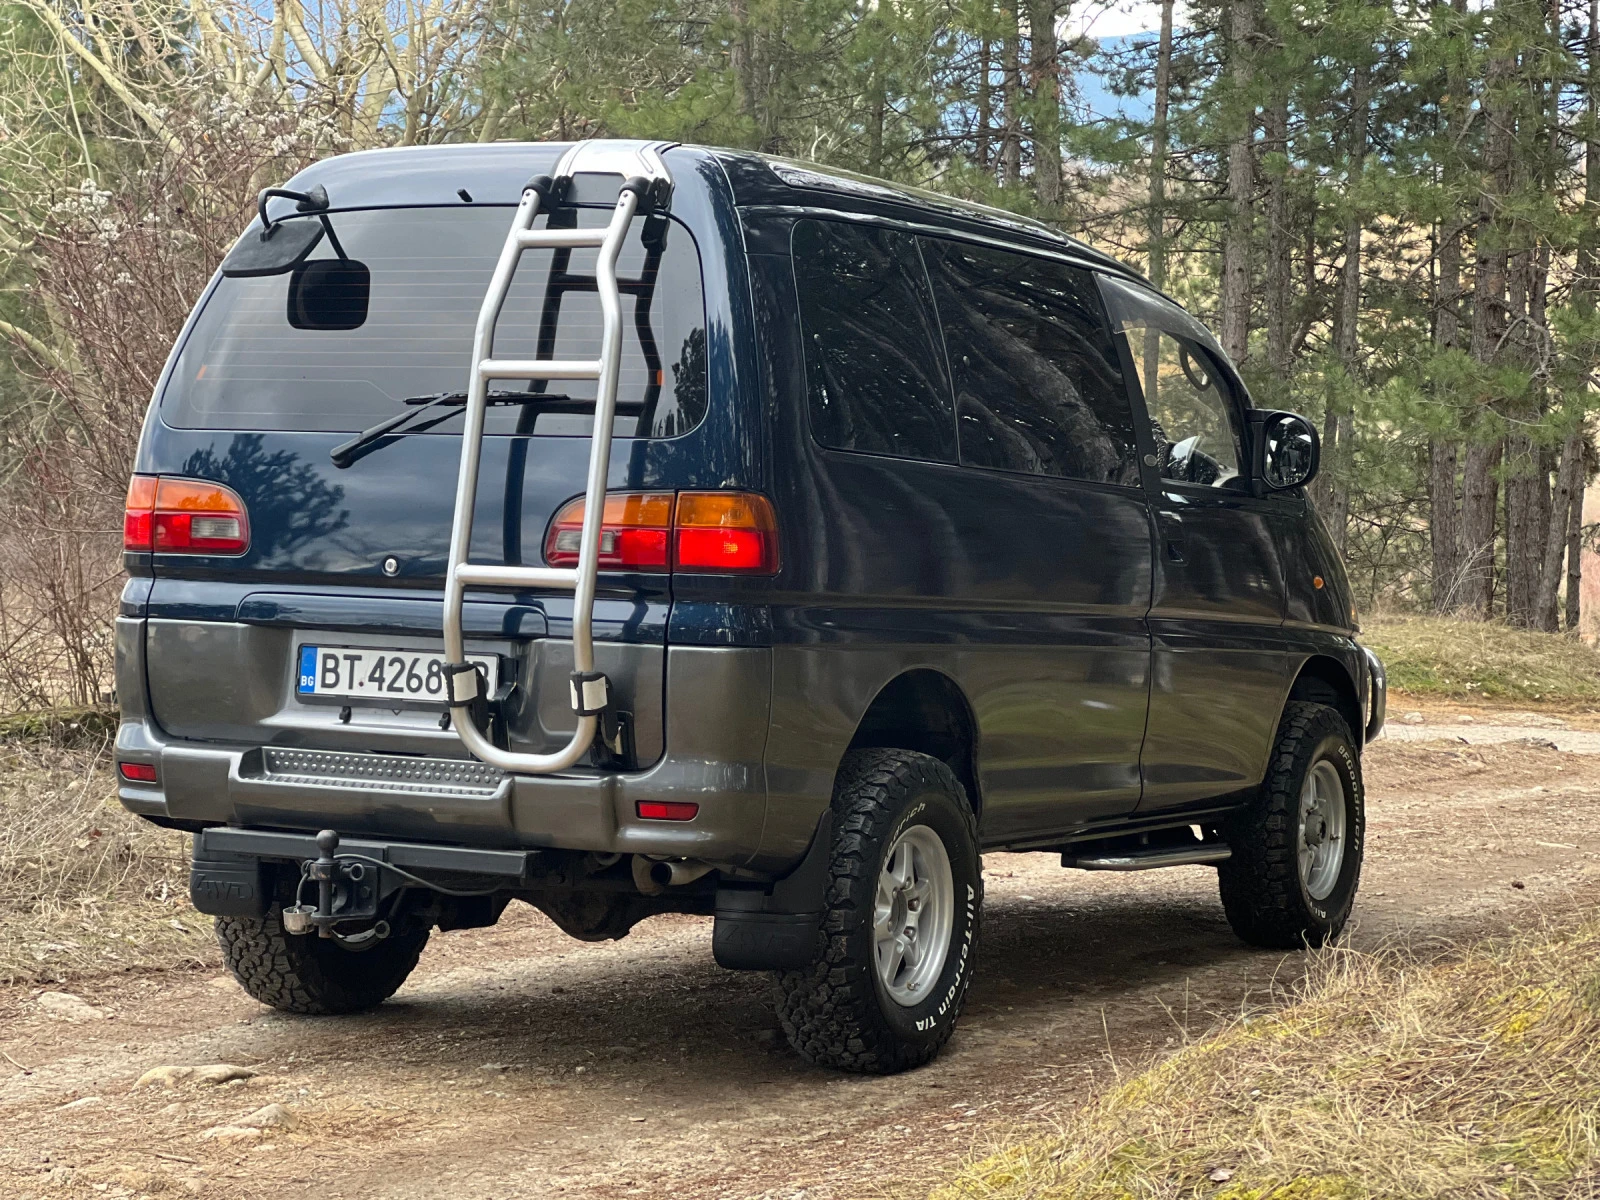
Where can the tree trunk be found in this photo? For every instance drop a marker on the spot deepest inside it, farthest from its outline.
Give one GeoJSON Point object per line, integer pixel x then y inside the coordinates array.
{"type": "Point", "coordinates": [1044, 71]}
{"type": "Point", "coordinates": [1574, 613]}
{"type": "Point", "coordinates": [1241, 183]}
{"type": "Point", "coordinates": [1338, 452]}
{"type": "Point", "coordinates": [1280, 247]}
{"type": "Point", "coordinates": [985, 103]}
{"type": "Point", "coordinates": [741, 59]}
{"type": "Point", "coordinates": [1158, 181]}
{"type": "Point", "coordinates": [1444, 451]}
{"type": "Point", "coordinates": [1011, 143]}
{"type": "Point", "coordinates": [1478, 487]}
{"type": "Point", "coordinates": [1559, 533]}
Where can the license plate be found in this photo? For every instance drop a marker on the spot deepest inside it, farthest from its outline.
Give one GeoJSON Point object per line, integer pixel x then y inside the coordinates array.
{"type": "Point", "coordinates": [383, 676]}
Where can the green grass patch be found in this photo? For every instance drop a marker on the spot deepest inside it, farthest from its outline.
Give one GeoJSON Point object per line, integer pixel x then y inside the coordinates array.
{"type": "Point", "coordinates": [1390, 1076]}
{"type": "Point", "coordinates": [1439, 656]}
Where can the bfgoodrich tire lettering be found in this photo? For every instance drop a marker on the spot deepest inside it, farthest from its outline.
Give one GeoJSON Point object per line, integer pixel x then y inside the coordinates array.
{"type": "Point", "coordinates": [1263, 885]}
{"type": "Point", "coordinates": [839, 1012]}
{"type": "Point", "coordinates": [312, 975]}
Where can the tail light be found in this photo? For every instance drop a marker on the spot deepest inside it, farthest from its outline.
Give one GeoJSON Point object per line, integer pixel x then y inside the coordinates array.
{"type": "Point", "coordinates": [138, 772]}
{"type": "Point", "coordinates": [659, 531]}
{"type": "Point", "coordinates": [726, 531]}
{"type": "Point", "coordinates": [183, 516]}
{"type": "Point", "coordinates": [668, 810]}
{"type": "Point", "coordinates": [635, 532]}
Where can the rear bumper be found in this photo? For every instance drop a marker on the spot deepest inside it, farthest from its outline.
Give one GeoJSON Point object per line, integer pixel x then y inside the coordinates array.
{"type": "Point", "coordinates": [717, 723]}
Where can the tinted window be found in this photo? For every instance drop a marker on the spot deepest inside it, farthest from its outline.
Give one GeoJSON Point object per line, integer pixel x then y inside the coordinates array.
{"type": "Point", "coordinates": [257, 361]}
{"type": "Point", "coordinates": [874, 362]}
{"type": "Point", "coordinates": [1038, 385]}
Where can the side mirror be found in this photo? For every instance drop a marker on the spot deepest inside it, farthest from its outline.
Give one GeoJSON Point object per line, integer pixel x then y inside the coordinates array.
{"type": "Point", "coordinates": [281, 245]}
{"type": "Point", "coordinates": [1288, 450]}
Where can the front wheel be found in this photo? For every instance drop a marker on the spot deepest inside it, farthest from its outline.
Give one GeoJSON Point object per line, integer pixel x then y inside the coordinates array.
{"type": "Point", "coordinates": [900, 929]}
{"type": "Point", "coordinates": [1297, 846]}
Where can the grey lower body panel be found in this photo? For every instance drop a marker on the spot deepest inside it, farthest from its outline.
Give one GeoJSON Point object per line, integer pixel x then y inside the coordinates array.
{"type": "Point", "coordinates": [298, 781]}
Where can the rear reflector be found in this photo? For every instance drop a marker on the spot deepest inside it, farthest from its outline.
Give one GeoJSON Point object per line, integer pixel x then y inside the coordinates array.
{"type": "Point", "coordinates": [668, 810]}
{"type": "Point", "coordinates": [137, 772]}
{"type": "Point", "coordinates": [658, 531]}
{"type": "Point", "coordinates": [183, 516]}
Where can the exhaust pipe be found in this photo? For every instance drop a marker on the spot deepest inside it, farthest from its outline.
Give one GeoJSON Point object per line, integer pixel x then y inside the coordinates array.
{"type": "Point", "coordinates": [654, 876]}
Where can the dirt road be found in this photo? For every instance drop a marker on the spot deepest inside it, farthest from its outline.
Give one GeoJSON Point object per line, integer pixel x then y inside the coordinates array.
{"type": "Point", "coordinates": [517, 1063]}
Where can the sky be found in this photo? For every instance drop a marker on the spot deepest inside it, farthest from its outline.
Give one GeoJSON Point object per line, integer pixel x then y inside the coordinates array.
{"type": "Point", "coordinates": [1114, 22]}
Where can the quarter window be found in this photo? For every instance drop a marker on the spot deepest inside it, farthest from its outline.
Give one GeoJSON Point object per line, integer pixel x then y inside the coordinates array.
{"type": "Point", "coordinates": [874, 364]}
{"type": "Point", "coordinates": [1038, 385]}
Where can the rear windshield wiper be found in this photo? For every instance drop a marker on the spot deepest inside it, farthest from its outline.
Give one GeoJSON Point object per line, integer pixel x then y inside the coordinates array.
{"type": "Point", "coordinates": [345, 452]}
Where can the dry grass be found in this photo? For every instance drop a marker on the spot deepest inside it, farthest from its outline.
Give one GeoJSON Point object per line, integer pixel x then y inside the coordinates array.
{"type": "Point", "coordinates": [1443, 657]}
{"type": "Point", "coordinates": [85, 888]}
{"type": "Point", "coordinates": [1391, 1076]}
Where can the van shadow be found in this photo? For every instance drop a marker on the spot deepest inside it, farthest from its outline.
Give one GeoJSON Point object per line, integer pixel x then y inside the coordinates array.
{"type": "Point", "coordinates": [661, 1002]}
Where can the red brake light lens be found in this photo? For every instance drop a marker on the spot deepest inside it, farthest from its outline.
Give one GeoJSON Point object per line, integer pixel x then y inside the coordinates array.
{"type": "Point", "coordinates": [726, 531]}
{"type": "Point", "coordinates": [668, 810]}
{"type": "Point", "coordinates": [660, 531]}
{"type": "Point", "coordinates": [183, 516]}
{"type": "Point", "coordinates": [138, 772]}
{"type": "Point", "coordinates": [635, 529]}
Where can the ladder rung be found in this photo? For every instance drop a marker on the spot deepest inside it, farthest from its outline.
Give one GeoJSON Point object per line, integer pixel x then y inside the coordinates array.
{"type": "Point", "coordinates": [538, 368]}
{"type": "Point", "coordinates": [487, 575]}
{"type": "Point", "coordinates": [551, 239]}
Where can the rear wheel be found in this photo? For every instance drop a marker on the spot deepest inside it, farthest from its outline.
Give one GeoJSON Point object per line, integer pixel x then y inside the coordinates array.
{"type": "Point", "coordinates": [901, 924]}
{"type": "Point", "coordinates": [1297, 847]}
{"type": "Point", "coordinates": [317, 976]}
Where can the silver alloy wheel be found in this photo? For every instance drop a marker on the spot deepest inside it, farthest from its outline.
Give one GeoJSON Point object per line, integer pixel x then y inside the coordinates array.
{"type": "Point", "coordinates": [1322, 819]}
{"type": "Point", "coordinates": [912, 915]}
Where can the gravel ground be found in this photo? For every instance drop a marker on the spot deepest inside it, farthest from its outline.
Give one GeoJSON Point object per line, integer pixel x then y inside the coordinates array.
{"type": "Point", "coordinates": [517, 1063]}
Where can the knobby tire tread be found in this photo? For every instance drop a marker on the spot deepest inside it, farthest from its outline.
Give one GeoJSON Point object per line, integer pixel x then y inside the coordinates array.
{"type": "Point", "coordinates": [292, 973]}
{"type": "Point", "coordinates": [829, 1011]}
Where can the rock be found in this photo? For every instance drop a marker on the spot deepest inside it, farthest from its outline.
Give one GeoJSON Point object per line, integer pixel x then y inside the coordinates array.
{"type": "Point", "coordinates": [84, 1102]}
{"type": "Point", "coordinates": [213, 1074]}
{"type": "Point", "coordinates": [1468, 719]}
{"type": "Point", "coordinates": [270, 1116]}
{"type": "Point", "coordinates": [229, 1133]}
{"type": "Point", "coordinates": [64, 1006]}
{"type": "Point", "coordinates": [1220, 1175]}
{"type": "Point", "coordinates": [1412, 718]}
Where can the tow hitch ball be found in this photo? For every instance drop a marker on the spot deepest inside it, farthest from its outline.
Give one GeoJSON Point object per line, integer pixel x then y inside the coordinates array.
{"type": "Point", "coordinates": [344, 893]}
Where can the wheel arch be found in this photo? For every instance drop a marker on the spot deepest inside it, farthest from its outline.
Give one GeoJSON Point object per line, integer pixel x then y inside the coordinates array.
{"type": "Point", "coordinates": [925, 710]}
{"type": "Point", "coordinates": [1323, 679]}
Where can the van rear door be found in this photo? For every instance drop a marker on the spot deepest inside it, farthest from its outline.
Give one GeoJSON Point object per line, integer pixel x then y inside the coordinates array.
{"type": "Point", "coordinates": [345, 565]}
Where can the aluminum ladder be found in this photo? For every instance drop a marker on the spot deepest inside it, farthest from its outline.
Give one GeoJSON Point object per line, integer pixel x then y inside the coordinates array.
{"type": "Point", "coordinates": [645, 183]}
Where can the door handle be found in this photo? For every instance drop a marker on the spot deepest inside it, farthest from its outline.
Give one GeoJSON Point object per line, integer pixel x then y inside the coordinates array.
{"type": "Point", "coordinates": [1173, 541]}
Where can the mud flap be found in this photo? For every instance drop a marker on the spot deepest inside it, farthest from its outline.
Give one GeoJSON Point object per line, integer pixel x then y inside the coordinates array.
{"type": "Point", "coordinates": [229, 885]}
{"type": "Point", "coordinates": [775, 928]}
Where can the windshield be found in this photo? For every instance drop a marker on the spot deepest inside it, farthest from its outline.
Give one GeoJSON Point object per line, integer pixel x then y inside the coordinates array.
{"type": "Point", "coordinates": [250, 362]}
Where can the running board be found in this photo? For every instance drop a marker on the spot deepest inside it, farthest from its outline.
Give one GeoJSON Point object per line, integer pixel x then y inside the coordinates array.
{"type": "Point", "coordinates": [1149, 860]}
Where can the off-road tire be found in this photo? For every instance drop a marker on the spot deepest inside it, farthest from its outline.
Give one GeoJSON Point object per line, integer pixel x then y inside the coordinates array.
{"type": "Point", "coordinates": [1262, 892]}
{"type": "Point", "coordinates": [315, 976]}
{"type": "Point", "coordinates": [837, 1012]}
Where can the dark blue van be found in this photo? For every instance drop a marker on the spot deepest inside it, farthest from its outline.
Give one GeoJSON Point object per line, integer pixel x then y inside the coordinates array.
{"type": "Point", "coordinates": [628, 528]}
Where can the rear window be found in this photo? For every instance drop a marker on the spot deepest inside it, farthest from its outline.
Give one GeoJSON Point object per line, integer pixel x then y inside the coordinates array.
{"type": "Point", "coordinates": [250, 363]}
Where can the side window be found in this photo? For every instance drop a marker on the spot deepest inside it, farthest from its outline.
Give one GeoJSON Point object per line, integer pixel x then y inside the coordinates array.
{"type": "Point", "coordinates": [1189, 412]}
{"type": "Point", "coordinates": [874, 364]}
{"type": "Point", "coordinates": [1038, 385]}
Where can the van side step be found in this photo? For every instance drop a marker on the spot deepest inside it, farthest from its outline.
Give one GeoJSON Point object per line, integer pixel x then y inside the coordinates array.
{"type": "Point", "coordinates": [1151, 858]}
